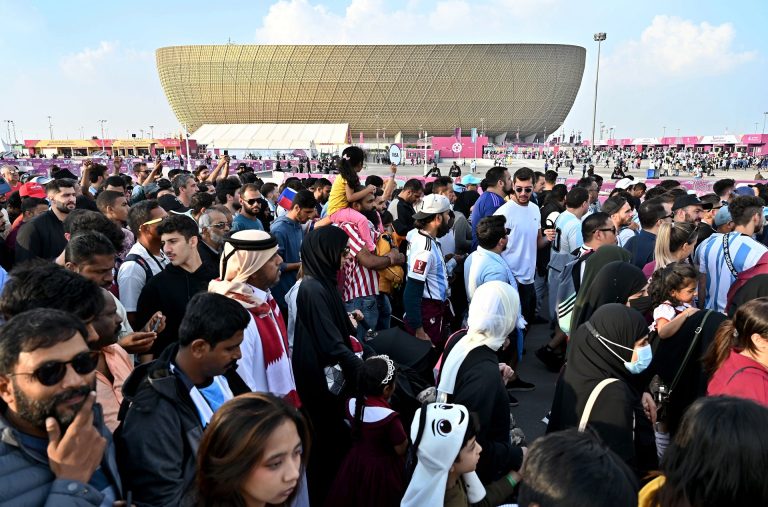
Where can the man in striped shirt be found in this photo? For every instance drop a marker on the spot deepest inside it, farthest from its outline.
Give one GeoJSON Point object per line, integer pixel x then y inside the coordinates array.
{"type": "Point", "coordinates": [360, 271]}
{"type": "Point", "coordinates": [721, 257]}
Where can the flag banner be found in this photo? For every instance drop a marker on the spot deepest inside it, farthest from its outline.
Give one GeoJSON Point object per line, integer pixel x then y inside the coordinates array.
{"type": "Point", "coordinates": [286, 198]}
{"type": "Point", "coordinates": [474, 135]}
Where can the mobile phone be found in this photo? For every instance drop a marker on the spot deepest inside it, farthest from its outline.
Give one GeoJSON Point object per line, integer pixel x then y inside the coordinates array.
{"type": "Point", "coordinates": [157, 325]}
{"type": "Point", "coordinates": [226, 153]}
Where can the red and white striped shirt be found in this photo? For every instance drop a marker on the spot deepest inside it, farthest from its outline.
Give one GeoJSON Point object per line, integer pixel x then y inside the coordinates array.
{"type": "Point", "coordinates": [358, 281]}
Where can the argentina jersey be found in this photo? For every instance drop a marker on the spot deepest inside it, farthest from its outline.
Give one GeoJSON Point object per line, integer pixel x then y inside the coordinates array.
{"type": "Point", "coordinates": [426, 264]}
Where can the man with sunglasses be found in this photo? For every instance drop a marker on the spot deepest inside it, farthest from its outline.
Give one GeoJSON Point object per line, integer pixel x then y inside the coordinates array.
{"type": "Point", "coordinates": [55, 448]}
{"type": "Point", "coordinates": [214, 228]}
{"type": "Point", "coordinates": [145, 258]}
{"type": "Point", "coordinates": [524, 222]}
{"type": "Point", "coordinates": [250, 202]}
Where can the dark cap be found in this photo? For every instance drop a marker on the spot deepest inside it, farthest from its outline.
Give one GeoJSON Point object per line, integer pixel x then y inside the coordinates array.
{"type": "Point", "coordinates": [690, 200]}
{"type": "Point", "coordinates": [64, 173]}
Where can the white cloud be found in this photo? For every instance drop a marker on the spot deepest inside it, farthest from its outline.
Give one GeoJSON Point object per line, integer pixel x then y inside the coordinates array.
{"type": "Point", "coordinates": [675, 47]}
{"type": "Point", "coordinates": [377, 22]}
{"type": "Point", "coordinates": [87, 60]}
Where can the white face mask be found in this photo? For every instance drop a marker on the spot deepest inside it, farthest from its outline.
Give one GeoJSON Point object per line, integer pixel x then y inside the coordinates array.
{"type": "Point", "coordinates": [644, 353]}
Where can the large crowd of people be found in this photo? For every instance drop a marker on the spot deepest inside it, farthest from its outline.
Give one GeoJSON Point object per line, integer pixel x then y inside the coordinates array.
{"type": "Point", "coordinates": [208, 338]}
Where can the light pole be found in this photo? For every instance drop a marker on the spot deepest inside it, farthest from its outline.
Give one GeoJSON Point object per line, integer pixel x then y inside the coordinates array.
{"type": "Point", "coordinates": [482, 126]}
{"type": "Point", "coordinates": [152, 131]}
{"type": "Point", "coordinates": [755, 126]}
{"type": "Point", "coordinates": [599, 38]}
{"type": "Point", "coordinates": [102, 122]}
{"type": "Point", "coordinates": [765, 115]}
{"type": "Point", "coordinates": [50, 127]}
{"type": "Point", "coordinates": [13, 125]}
{"type": "Point", "coordinates": [8, 126]}
{"type": "Point", "coordinates": [665, 132]}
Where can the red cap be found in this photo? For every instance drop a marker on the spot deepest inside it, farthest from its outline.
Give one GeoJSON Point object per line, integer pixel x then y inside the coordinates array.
{"type": "Point", "coordinates": [32, 189]}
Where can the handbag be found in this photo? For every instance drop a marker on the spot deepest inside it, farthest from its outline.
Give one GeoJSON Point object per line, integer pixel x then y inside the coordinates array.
{"type": "Point", "coordinates": [334, 378]}
{"type": "Point", "coordinates": [591, 401]}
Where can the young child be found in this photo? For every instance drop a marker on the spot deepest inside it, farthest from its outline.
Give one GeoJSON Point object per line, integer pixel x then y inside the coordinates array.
{"type": "Point", "coordinates": [372, 472]}
{"type": "Point", "coordinates": [446, 454]}
{"type": "Point", "coordinates": [672, 290]}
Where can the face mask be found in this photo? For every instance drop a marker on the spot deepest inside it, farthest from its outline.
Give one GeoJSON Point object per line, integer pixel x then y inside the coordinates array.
{"type": "Point", "coordinates": [642, 304]}
{"type": "Point", "coordinates": [644, 353]}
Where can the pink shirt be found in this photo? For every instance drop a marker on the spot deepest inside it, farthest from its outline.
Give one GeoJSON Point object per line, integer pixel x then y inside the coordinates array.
{"type": "Point", "coordinates": [110, 394]}
{"type": "Point", "coordinates": [742, 377]}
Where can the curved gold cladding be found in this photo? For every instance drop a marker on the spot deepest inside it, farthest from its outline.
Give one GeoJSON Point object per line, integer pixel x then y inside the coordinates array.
{"type": "Point", "coordinates": [515, 87]}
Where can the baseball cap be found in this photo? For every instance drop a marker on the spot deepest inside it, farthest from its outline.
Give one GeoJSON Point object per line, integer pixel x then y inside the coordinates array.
{"type": "Point", "coordinates": [64, 173]}
{"type": "Point", "coordinates": [743, 191]}
{"type": "Point", "coordinates": [32, 189]}
{"type": "Point", "coordinates": [432, 204]}
{"type": "Point", "coordinates": [690, 200]}
{"type": "Point", "coordinates": [470, 179]}
{"type": "Point", "coordinates": [723, 216]}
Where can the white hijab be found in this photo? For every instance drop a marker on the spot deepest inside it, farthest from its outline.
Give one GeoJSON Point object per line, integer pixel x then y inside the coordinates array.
{"type": "Point", "coordinates": [445, 427]}
{"type": "Point", "coordinates": [493, 315]}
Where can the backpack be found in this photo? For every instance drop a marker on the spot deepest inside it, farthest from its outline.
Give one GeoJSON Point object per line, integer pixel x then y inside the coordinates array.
{"type": "Point", "coordinates": [138, 259]}
{"type": "Point", "coordinates": [566, 292]}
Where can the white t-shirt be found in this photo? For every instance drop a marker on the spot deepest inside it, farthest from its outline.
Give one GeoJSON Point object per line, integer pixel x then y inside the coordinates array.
{"type": "Point", "coordinates": [667, 311]}
{"type": "Point", "coordinates": [710, 259]}
{"type": "Point", "coordinates": [131, 277]}
{"type": "Point", "coordinates": [524, 223]}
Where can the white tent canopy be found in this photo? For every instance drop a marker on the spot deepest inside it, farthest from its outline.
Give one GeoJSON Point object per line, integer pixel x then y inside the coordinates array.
{"type": "Point", "coordinates": [271, 136]}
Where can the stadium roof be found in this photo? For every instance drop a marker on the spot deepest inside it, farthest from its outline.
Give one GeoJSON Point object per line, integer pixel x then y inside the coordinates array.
{"type": "Point", "coordinates": [271, 136]}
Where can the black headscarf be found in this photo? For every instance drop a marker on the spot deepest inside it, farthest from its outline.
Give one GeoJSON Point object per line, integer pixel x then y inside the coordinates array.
{"type": "Point", "coordinates": [615, 282]}
{"type": "Point", "coordinates": [756, 287]}
{"type": "Point", "coordinates": [464, 202]}
{"type": "Point", "coordinates": [321, 254]}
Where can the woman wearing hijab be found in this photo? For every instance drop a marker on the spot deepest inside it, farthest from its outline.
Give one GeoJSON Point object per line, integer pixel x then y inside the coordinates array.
{"type": "Point", "coordinates": [470, 376]}
{"type": "Point", "coordinates": [615, 282]}
{"type": "Point", "coordinates": [462, 210]}
{"type": "Point", "coordinates": [324, 338]}
{"type": "Point", "coordinates": [613, 344]}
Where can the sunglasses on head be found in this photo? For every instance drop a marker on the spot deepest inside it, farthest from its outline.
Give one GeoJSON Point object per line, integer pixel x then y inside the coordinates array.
{"type": "Point", "coordinates": [153, 221]}
{"type": "Point", "coordinates": [521, 190]}
{"type": "Point", "coordinates": [51, 373]}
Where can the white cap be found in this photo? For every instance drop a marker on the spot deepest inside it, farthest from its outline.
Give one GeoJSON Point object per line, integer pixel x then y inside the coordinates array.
{"type": "Point", "coordinates": [432, 204]}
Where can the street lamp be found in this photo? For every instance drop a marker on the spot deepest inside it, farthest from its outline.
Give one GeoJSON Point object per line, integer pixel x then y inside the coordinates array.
{"type": "Point", "coordinates": [102, 122]}
{"type": "Point", "coordinates": [50, 127]}
{"type": "Point", "coordinates": [764, 116]}
{"type": "Point", "coordinates": [665, 132]}
{"type": "Point", "coordinates": [599, 38]}
{"type": "Point", "coordinates": [8, 126]}
{"type": "Point", "coordinates": [152, 131]}
{"type": "Point", "coordinates": [756, 126]}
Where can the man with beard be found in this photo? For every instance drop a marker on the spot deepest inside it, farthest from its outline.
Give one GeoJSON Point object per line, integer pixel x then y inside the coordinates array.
{"type": "Point", "coordinates": [524, 223]}
{"type": "Point", "coordinates": [250, 202]}
{"type": "Point", "coordinates": [169, 402]}
{"type": "Point", "coordinates": [426, 288]}
{"type": "Point", "coordinates": [55, 448]}
{"type": "Point", "coordinates": [360, 270]}
{"type": "Point", "coordinates": [214, 227]}
{"type": "Point", "coordinates": [170, 290]}
{"type": "Point", "coordinates": [114, 364]}
{"type": "Point", "coordinates": [250, 268]}
{"type": "Point", "coordinates": [620, 211]}
{"type": "Point", "coordinates": [721, 257]}
{"type": "Point", "coordinates": [43, 237]}
{"type": "Point", "coordinates": [688, 208]}
{"type": "Point", "coordinates": [321, 189]}
{"type": "Point", "coordinates": [288, 232]}
{"type": "Point", "coordinates": [114, 205]}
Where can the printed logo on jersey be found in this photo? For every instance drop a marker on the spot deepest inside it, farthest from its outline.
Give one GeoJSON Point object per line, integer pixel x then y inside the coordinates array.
{"type": "Point", "coordinates": [419, 267]}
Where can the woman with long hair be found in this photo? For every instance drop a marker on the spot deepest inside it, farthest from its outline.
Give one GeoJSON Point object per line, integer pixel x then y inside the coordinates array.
{"type": "Point", "coordinates": [674, 243]}
{"type": "Point", "coordinates": [737, 359]}
{"type": "Point", "coordinates": [324, 349]}
{"type": "Point", "coordinates": [252, 453]}
{"type": "Point", "coordinates": [718, 457]}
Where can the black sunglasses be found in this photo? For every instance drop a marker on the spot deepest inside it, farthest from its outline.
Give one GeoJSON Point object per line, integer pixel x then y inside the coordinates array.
{"type": "Point", "coordinates": [526, 190]}
{"type": "Point", "coordinates": [251, 202]}
{"type": "Point", "coordinates": [612, 229]}
{"type": "Point", "coordinates": [51, 373]}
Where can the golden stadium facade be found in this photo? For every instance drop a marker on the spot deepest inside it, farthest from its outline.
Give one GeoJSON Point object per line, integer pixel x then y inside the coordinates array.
{"type": "Point", "coordinates": [514, 88]}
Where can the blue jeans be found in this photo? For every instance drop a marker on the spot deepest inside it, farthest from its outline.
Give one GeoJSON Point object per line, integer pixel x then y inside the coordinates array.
{"type": "Point", "coordinates": [370, 309]}
{"type": "Point", "coordinates": [385, 312]}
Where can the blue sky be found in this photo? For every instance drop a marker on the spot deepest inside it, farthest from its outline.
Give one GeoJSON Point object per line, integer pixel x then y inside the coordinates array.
{"type": "Point", "coordinates": [697, 66]}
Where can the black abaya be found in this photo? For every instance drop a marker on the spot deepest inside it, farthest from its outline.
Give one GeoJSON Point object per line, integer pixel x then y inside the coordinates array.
{"type": "Point", "coordinates": [322, 338]}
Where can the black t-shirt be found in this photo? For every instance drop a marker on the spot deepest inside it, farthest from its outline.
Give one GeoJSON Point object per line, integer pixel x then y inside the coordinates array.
{"type": "Point", "coordinates": [43, 238]}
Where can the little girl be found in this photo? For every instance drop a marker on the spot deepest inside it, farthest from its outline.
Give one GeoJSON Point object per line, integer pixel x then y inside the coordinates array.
{"type": "Point", "coordinates": [446, 455]}
{"type": "Point", "coordinates": [346, 188]}
{"type": "Point", "coordinates": [372, 472]}
{"type": "Point", "coordinates": [672, 290]}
